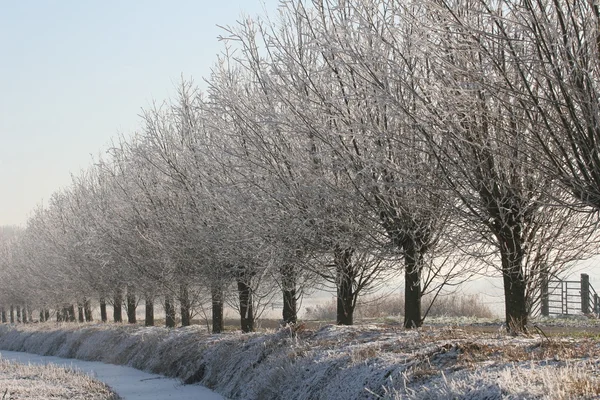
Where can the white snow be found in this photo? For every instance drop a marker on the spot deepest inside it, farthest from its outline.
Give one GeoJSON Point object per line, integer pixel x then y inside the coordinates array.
{"type": "Point", "coordinates": [127, 382]}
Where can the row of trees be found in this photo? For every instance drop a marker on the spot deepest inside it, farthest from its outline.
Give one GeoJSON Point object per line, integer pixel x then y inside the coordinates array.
{"type": "Point", "coordinates": [344, 143]}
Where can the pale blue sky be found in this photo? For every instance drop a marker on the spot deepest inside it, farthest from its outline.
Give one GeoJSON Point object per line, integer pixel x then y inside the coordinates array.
{"type": "Point", "coordinates": [74, 74]}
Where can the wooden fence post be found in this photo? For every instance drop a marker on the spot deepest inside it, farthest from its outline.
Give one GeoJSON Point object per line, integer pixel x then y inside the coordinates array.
{"type": "Point", "coordinates": [585, 293]}
{"type": "Point", "coordinates": [545, 307]}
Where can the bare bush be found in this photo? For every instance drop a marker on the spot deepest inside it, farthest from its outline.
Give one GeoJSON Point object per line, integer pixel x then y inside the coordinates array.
{"type": "Point", "coordinates": [324, 311]}
{"type": "Point", "coordinates": [460, 305]}
{"type": "Point", "coordinates": [452, 305]}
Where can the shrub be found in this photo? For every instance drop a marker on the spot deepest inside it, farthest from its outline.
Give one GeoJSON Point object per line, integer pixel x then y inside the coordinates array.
{"type": "Point", "coordinates": [322, 312]}
{"type": "Point", "coordinates": [453, 305]}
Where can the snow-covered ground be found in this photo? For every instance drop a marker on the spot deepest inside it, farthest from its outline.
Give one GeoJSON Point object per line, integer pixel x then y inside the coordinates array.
{"type": "Point", "coordinates": [335, 362]}
{"type": "Point", "coordinates": [34, 382]}
{"type": "Point", "coordinates": [129, 383]}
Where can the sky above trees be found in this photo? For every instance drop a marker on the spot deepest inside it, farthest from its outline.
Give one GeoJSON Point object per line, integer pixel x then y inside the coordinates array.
{"type": "Point", "coordinates": [76, 74]}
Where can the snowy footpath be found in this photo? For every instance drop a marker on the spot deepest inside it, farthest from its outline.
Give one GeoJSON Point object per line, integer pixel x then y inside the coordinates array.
{"type": "Point", "coordinates": [127, 382]}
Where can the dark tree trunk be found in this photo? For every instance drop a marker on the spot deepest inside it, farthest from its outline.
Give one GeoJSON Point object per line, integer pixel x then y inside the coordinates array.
{"type": "Point", "coordinates": [80, 315]}
{"type": "Point", "coordinates": [131, 317]}
{"type": "Point", "coordinates": [19, 314]}
{"type": "Point", "coordinates": [3, 315]}
{"type": "Point", "coordinates": [412, 285]}
{"type": "Point", "coordinates": [30, 314]}
{"type": "Point", "coordinates": [246, 312]}
{"type": "Point", "coordinates": [216, 293]}
{"type": "Point", "coordinates": [185, 305]}
{"type": "Point", "coordinates": [288, 283]}
{"type": "Point", "coordinates": [344, 283]}
{"type": "Point", "coordinates": [42, 316]}
{"type": "Point", "coordinates": [169, 312]}
{"type": "Point", "coordinates": [12, 314]}
{"type": "Point", "coordinates": [117, 306]}
{"type": "Point", "coordinates": [515, 300]}
{"type": "Point", "coordinates": [24, 314]}
{"type": "Point", "coordinates": [46, 315]}
{"type": "Point", "coordinates": [59, 315]}
{"type": "Point", "coordinates": [149, 321]}
{"type": "Point", "coordinates": [71, 311]}
{"type": "Point", "coordinates": [103, 314]}
{"type": "Point", "coordinates": [87, 309]}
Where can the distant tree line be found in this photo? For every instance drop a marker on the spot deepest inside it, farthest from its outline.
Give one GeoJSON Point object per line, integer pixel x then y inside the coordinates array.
{"type": "Point", "coordinates": [341, 144]}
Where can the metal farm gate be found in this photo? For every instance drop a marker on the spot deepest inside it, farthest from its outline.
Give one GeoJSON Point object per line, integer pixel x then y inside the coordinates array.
{"type": "Point", "coordinates": [563, 297]}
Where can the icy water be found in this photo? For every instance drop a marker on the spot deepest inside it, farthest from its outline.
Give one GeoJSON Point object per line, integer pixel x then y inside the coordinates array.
{"type": "Point", "coordinates": [127, 382]}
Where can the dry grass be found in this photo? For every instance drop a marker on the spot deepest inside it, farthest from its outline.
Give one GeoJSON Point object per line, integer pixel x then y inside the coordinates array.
{"type": "Point", "coordinates": [363, 354]}
{"type": "Point", "coordinates": [518, 381]}
{"type": "Point", "coordinates": [19, 381]}
{"type": "Point", "coordinates": [557, 350]}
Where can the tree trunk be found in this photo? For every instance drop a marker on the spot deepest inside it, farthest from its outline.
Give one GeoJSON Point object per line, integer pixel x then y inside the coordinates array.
{"type": "Point", "coordinates": [46, 315]}
{"type": "Point", "coordinates": [412, 285]}
{"type": "Point", "coordinates": [169, 312]}
{"type": "Point", "coordinates": [515, 300]}
{"type": "Point", "coordinates": [42, 315]}
{"type": "Point", "coordinates": [216, 293]}
{"type": "Point", "coordinates": [246, 312]}
{"type": "Point", "coordinates": [87, 309]}
{"type": "Point", "coordinates": [59, 315]}
{"type": "Point", "coordinates": [344, 284]}
{"type": "Point", "coordinates": [131, 317]}
{"type": "Point", "coordinates": [19, 314]}
{"type": "Point", "coordinates": [288, 283]}
{"type": "Point", "coordinates": [80, 314]}
{"type": "Point", "coordinates": [149, 321]}
{"type": "Point", "coordinates": [117, 306]}
{"type": "Point", "coordinates": [12, 314]}
{"type": "Point", "coordinates": [71, 311]}
{"type": "Point", "coordinates": [103, 314]}
{"type": "Point", "coordinates": [3, 312]}
{"type": "Point", "coordinates": [185, 305]}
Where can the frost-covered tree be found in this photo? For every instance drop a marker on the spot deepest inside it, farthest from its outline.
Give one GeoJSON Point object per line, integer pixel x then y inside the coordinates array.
{"type": "Point", "coordinates": [332, 113]}
{"type": "Point", "coordinates": [485, 152]}
{"type": "Point", "coordinates": [552, 52]}
{"type": "Point", "coordinates": [302, 190]}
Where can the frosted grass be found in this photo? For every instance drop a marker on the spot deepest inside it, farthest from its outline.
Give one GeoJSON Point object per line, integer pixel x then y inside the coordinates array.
{"type": "Point", "coordinates": [334, 362]}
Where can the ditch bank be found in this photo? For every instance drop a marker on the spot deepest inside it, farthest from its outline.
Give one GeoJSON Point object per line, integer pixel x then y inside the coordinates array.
{"type": "Point", "coordinates": [238, 366]}
{"type": "Point", "coordinates": [333, 362]}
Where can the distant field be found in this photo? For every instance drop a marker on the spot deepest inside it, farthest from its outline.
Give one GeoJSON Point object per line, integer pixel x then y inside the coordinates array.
{"type": "Point", "coordinates": [549, 326]}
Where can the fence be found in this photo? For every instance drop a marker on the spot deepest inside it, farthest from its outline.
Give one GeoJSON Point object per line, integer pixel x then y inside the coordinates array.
{"type": "Point", "coordinates": [561, 297]}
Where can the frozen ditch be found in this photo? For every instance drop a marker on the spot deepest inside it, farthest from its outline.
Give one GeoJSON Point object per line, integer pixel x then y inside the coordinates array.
{"type": "Point", "coordinates": [127, 382]}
